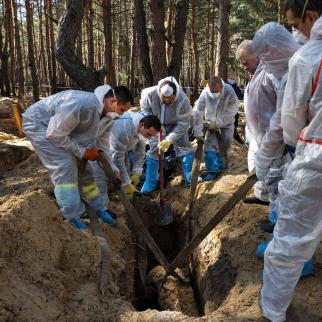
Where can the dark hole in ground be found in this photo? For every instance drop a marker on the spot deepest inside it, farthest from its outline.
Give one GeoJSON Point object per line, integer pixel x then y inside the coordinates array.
{"type": "Point", "coordinates": [170, 239]}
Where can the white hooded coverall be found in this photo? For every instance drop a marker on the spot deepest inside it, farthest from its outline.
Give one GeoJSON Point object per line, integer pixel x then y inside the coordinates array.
{"type": "Point", "coordinates": [260, 105]}
{"type": "Point", "coordinates": [60, 128]}
{"type": "Point", "coordinates": [221, 110]}
{"type": "Point", "coordinates": [175, 119]}
{"type": "Point", "coordinates": [298, 230]}
{"type": "Point", "coordinates": [124, 138]}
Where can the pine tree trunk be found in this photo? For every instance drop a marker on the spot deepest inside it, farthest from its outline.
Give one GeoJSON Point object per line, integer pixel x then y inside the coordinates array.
{"type": "Point", "coordinates": [159, 61]}
{"type": "Point", "coordinates": [69, 28]}
{"type": "Point", "coordinates": [133, 58]}
{"type": "Point", "coordinates": [108, 50]}
{"type": "Point", "coordinates": [31, 55]}
{"type": "Point", "coordinates": [280, 17]}
{"type": "Point", "coordinates": [90, 34]}
{"type": "Point", "coordinates": [42, 57]}
{"type": "Point", "coordinates": [212, 50]}
{"type": "Point", "coordinates": [48, 47]}
{"type": "Point", "coordinates": [4, 56]}
{"type": "Point", "coordinates": [169, 30]}
{"type": "Point", "coordinates": [179, 31]}
{"type": "Point", "coordinates": [9, 32]}
{"type": "Point", "coordinates": [19, 66]}
{"type": "Point", "coordinates": [53, 80]}
{"type": "Point", "coordinates": [223, 41]}
{"type": "Point", "coordinates": [142, 41]}
{"type": "Point", "coordinates": [206, 52]}
{"type": "Point", "coordinates": [195, 49]}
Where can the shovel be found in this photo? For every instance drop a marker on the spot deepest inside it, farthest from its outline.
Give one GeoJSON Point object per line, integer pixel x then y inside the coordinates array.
{"type": "Point", "coordinates": [165, 217]}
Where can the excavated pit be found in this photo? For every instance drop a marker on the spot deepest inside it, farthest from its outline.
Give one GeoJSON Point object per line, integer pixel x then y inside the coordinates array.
{"type": "Point", "coordinates": [49, 271]}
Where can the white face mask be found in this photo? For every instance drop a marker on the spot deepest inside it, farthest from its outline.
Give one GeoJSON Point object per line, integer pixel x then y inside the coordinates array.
{"type": "Point", "coordinates": [214, 95]}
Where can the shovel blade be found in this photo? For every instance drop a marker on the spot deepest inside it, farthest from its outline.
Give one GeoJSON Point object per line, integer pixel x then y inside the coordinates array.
{"type": "Point", "coordinates": [165, 214]}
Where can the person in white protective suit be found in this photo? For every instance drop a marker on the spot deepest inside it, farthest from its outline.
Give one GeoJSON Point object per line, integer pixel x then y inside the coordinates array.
{"type": "Point", "coordinates": [73, 125]}
{"type": "Point", "coordinates": [298, 229]}
{"type": "Point", "coordinates": [129, 135]}
{"type": "Point", "coordinates": [275, 45]}
{"type": "Point", "coordinates": [260, 105]}
{"type": "Point", "coordinates": [170, 104]}
{"type": "Point", "coordinates": [215, 110]}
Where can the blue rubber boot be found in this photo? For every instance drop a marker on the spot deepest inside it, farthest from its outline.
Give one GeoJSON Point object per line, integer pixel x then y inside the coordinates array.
{"type": "Point", "coordinates": [78, 224]}
{"type": "Point", "coordinates": [260, 250]}
{"type": "Point", "coordinates": [106, 217]}
{"type": "Point", "coordinates": [214, 165]}
{"type": "Point", "coordinates": [186, 164]}
{"type": "Point", "coordinates": [307, 269]}
{"type": "Point", "coordinates": [272, 216]}
{"type": "Point", "coordinates": [152, 176]}
{"type": "Point", "coordinates": [308, 266]}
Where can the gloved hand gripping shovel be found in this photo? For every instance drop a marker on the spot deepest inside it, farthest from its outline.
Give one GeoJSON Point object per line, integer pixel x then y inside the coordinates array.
{"type": "Point", "coordinates": [166, 217]}
{"type": "Point", "coordinates": [97, 231]}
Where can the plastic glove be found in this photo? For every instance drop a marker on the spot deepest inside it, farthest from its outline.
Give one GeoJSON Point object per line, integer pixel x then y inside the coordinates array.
{"type": "Point", "coordinates": [261, 172]}
{"type": "Point", "coordinates": [164, 145]}
{"type": "Point", "coordinates": [129, 190]}
{"type": "Point", "coordinates": [200, 139]}
{"type": "Point", "coordinates": [212, 126]}
{"type": "Point", "coordinates": [135, 177]}
{"type": "Point", "coordinates": [91, 154]}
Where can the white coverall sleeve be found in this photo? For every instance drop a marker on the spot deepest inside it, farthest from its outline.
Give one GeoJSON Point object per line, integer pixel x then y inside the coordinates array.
{"type": "Point", "coordinates": [122, 134]}
{"type": "Point", "coordinates": [103, 143]}
{"type": "Point", "coordinates": [138, 156]}
{"type": "Point", "coordinates": [64, 122]}
{"type": "Point", "coordinates": [198, 114]}
{"type": "Point", "coordinates": [183, 115]}
{"type": "Point", "coordinates": [145, 102]}
{"type": "Point", "coordinates": [272, 145]}
{"type": "Point", "coordinates": [228, 114]}
{"type": "Point", "coordinates": [296, 101]}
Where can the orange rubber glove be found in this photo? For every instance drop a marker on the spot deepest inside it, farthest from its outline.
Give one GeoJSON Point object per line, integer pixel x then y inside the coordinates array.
{"type": "Point", "coordinates": [91, 154]}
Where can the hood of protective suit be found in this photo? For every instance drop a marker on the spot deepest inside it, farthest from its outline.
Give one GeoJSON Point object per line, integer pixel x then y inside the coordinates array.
{"type": "Point", "coordinates": [173, 80]}
{"type": "Point", "coordinates": [213, 95]}
{"type": "Point", "coordinates": [316, 31]}
{"type": "Point", "coordinates": [274, 45]}
{"type": "Point", "coordinates": [100, 92]}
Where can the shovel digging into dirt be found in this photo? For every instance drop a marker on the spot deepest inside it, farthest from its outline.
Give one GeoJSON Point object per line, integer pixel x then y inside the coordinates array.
{"type": "Point", "coordinates": [165, 217]}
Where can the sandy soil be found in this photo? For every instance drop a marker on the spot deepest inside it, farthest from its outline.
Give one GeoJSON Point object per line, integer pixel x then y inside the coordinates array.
{"type": "Point", "coordinates": [49, 271]}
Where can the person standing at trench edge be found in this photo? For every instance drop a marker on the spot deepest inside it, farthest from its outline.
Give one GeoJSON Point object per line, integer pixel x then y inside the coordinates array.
{"type": "Point", "coordinates": [70, 126]}
{"type": "Point", "coordinates": [298, 230]}
{"type": "Point", "coordinates": [216, 109]}
{"type": "Point", "coordinates": [170, 104]}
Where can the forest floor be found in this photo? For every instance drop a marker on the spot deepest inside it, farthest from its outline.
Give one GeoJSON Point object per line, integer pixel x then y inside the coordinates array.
{"type": "Point", "coordinates": [49, 271]}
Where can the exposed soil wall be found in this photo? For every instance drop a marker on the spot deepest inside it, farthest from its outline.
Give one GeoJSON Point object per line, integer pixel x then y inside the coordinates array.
{"type": "Point", "coordinates": [49, 271]}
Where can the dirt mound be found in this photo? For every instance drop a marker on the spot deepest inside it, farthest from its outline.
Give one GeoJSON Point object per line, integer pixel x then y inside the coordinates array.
{"type": "Point", "coordinates": [13, 150]}
{"type": "Point", "coordinates": [49, 271]}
